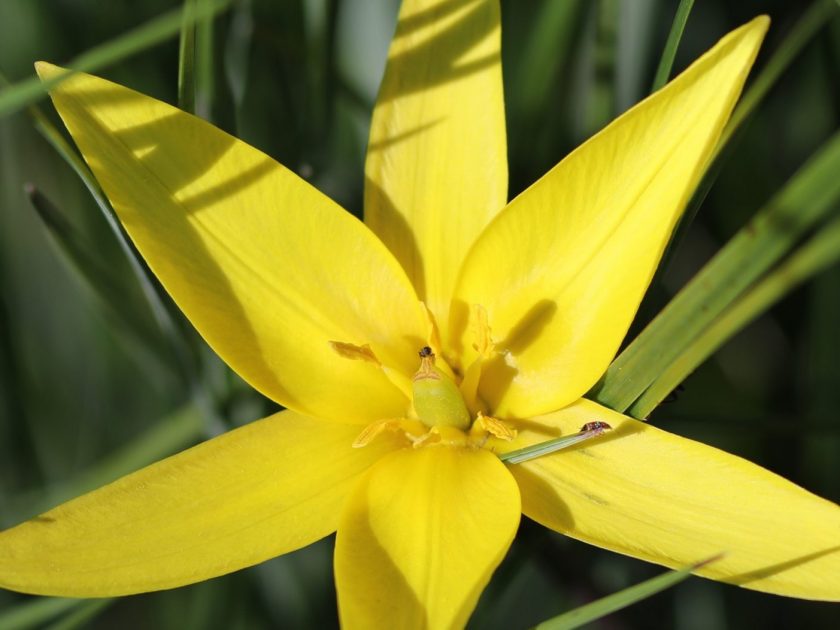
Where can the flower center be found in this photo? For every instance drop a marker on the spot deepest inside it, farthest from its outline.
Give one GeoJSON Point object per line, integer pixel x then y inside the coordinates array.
{"type": "Point", "coordinates": [441, 407]}
{"type": "Point", "coordinates": [437, 399]}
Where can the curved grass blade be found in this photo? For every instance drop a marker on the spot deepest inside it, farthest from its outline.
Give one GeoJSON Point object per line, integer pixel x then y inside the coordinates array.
{"type": "Point", "coordinates": [822, 251]}
{"type": "Point", "coordinates": [545, 53]}
{"type": "Point", "coordinates": [81, 615]}
{"type": "Point", "coordinates": [153, 295]}
{"type": "Point", "coordinates": [186, 59]}
{"type": "Point", "coordinates": [817, 15]}
{"type": "Point", "coordinates": [602, 100]}
{"type": "Point", "coordinates": [611, 603]}
{"type": "Point", "coordinates": [36, 612]}
{"type": "Point", "coordinates": [107, 286]}
{"type": "Point", "coordinates": [172, 433]}
{"type": "Point", "coordinates": [803, 31]}
{"type": "Point", "coordinates": [149, 34]}
{"type": "Point", "coordinates": [666, 62]}
{"type": "Point", "coordinates": [807, 198]}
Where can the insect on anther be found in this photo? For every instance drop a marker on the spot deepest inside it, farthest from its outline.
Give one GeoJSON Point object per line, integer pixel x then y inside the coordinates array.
{"type": "Point", "coordinates": [425, 351]}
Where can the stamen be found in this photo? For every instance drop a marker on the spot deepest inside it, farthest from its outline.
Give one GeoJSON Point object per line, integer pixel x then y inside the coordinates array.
{"type": "Point", "coordinates": [485, 347]}
{"type": "Point", "coordinates": [587, 432]}
{"type": "Point", "coordinates": [494, 427]}
{"type": "Point", "coordinates": [365, 354]}
{"type": "Point", "coordinates": [354, 352]}
{"type": "Point", "coordinates": [412, 429]}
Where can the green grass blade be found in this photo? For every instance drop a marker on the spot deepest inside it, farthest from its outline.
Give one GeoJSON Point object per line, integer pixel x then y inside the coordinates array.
{"type": "Point", "coordinates": [666, 62]}
{"type": "Point", "coordinates": [803, 31]}
{"type": "Point", "coordinates": [82, 256]}
{"type": "Point", "coordinates": [186, 59]}
{"type": "Point", "coordinates": [602, 101]}
{"type": "Point", "coordinates": [611, 603]}
{"type": "Point", "coordinates": [172, 433]}
{"type": "Point", "coordinates": [157, 303]}
{"type": "Point", "coordinates": [822, 251]}
{"type": "Point", "coordinates": [35, 613]}
{"type": "Point", "coordinates": [153, 32]}
{"type": "Point", "coordinates": [81, 615]}
{"type": "Point", "coordinates": [804, 201]}
{"type": "Point", "coordinates": [204, 66]}
{"type": "Point", "coordinates": [545, 53]}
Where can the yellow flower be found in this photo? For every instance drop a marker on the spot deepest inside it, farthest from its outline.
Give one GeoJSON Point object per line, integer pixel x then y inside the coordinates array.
{"type": "Point", "coordinates": [524, 305]}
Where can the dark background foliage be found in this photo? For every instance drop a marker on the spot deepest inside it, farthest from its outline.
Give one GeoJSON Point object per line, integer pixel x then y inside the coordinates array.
{"type": "Point", "coordinates": [298, 78]}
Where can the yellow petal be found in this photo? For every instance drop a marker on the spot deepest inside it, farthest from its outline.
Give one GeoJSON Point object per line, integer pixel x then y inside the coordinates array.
{"type": "Point", "coordinates": [420, 537]}
{"type": "Point", "coordinates": [268, 269]}
{"type": "Point", "coordinates": [563, 268]}
{"type": "Point", "coordinates": [656, 496]}
{"type": "Point", "coordinates": [246, 496]}
{"type": "Point", "coordinates": [436, 169]}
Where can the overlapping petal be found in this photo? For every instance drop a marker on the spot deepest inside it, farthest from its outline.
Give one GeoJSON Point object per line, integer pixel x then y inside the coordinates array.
{"type": "Point", "coordinates": [666, 499]}
{"type": "Point", "coordinates": [420, 537]}
{"type": "Point", "coordinates": [436, 169]}
{"type": "Point", "coordinates": [562, 269]}
{"type": "Point", "coordinates": [265, 489]}
{"type": "Point", "coordinates": [268, 269]}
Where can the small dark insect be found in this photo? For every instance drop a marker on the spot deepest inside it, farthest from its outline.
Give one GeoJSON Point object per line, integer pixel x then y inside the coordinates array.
{"type": "Point", "coordinates": [597, 425]}
{"type": "Point", "coordinates": [426, 351]}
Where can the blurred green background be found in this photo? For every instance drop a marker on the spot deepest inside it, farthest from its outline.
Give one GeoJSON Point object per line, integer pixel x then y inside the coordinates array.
{"type": "Point", "coordinates": [83, 396]}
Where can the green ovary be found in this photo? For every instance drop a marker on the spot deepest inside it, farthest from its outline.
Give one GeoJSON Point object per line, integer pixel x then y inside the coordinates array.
{"type": "Point", "coordinates": [437, 399]}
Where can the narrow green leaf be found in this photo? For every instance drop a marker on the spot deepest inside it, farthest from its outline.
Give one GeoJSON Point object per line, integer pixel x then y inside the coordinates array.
{"type": "Point", "coordinates": [81, 615]}
{"type": "Point", "coordinates": [204, 60]}
{"type": "Point", "coordinates": [803, 32]}
{"type": "Point", "coordinates": [175, 432]}
{"type": "Point", "coordinates": [82, 256]}
{"type": "Point", "coordinates": [154, 298]}
{"type": "Point", "coordinates": [666, 62]}
{"type": "Point", "coordinates": [822, 251]}
{"type": "Point", "coordinates": [35, 613]}
{"type": "Point", "coordinates": [804, 201]}
{"type": "Point", "coordinates": [186, 59]}
{"type": "Point", "coordinates": [601, 106]}
{"type": "Point", "coordinates": [611, 603]}
{"type": "Point", "coordinates": [546, 50]}
{"type": "Point", "coordinates": [151, 33]}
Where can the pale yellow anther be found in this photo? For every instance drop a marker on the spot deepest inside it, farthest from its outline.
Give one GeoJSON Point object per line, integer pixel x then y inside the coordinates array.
{"type": "Point", "coordinates": [354, 352]}
{"type": "Point", "coordinates": [365, 354]}
{"type": "Point", "coordinates": [413, 430]}
{"type": "Point", "coordinates": [483, 343]}
{"type": "Point", "coordinates": [494, 427]}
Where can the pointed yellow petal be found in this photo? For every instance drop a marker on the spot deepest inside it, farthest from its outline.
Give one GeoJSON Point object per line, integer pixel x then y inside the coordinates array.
{"type": "Point", "coordinates": [436, 169]}
{"type": "Point", "coordinates": [246, 496]}
{"type": "Point", "coordinates": [666, 499]}
{"type": "Point", "coordinates": [420, 537]}
{"type": "Point", "coordinates": [268, 269]}
{"type": "Point", "coordinates": [562, 270]}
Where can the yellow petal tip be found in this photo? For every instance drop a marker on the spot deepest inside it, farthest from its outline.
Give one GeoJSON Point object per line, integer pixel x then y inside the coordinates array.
{"type": "Point", "coordinates": [45, 70]}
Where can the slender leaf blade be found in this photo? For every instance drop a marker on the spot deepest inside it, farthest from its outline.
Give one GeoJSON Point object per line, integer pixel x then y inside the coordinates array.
{"type": "Point", "coordinates": [822, 251]}
{"type": "Point", "coordinates": [611, 603]}
{"type": "Point", "coordinates": [804, 201]}
{"type": "Point", "coordinates": [157, 30]}
{"type": "Point", "coordinates": [35, 613]}
{"type": "Point", "coordinates": [666, 62]}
